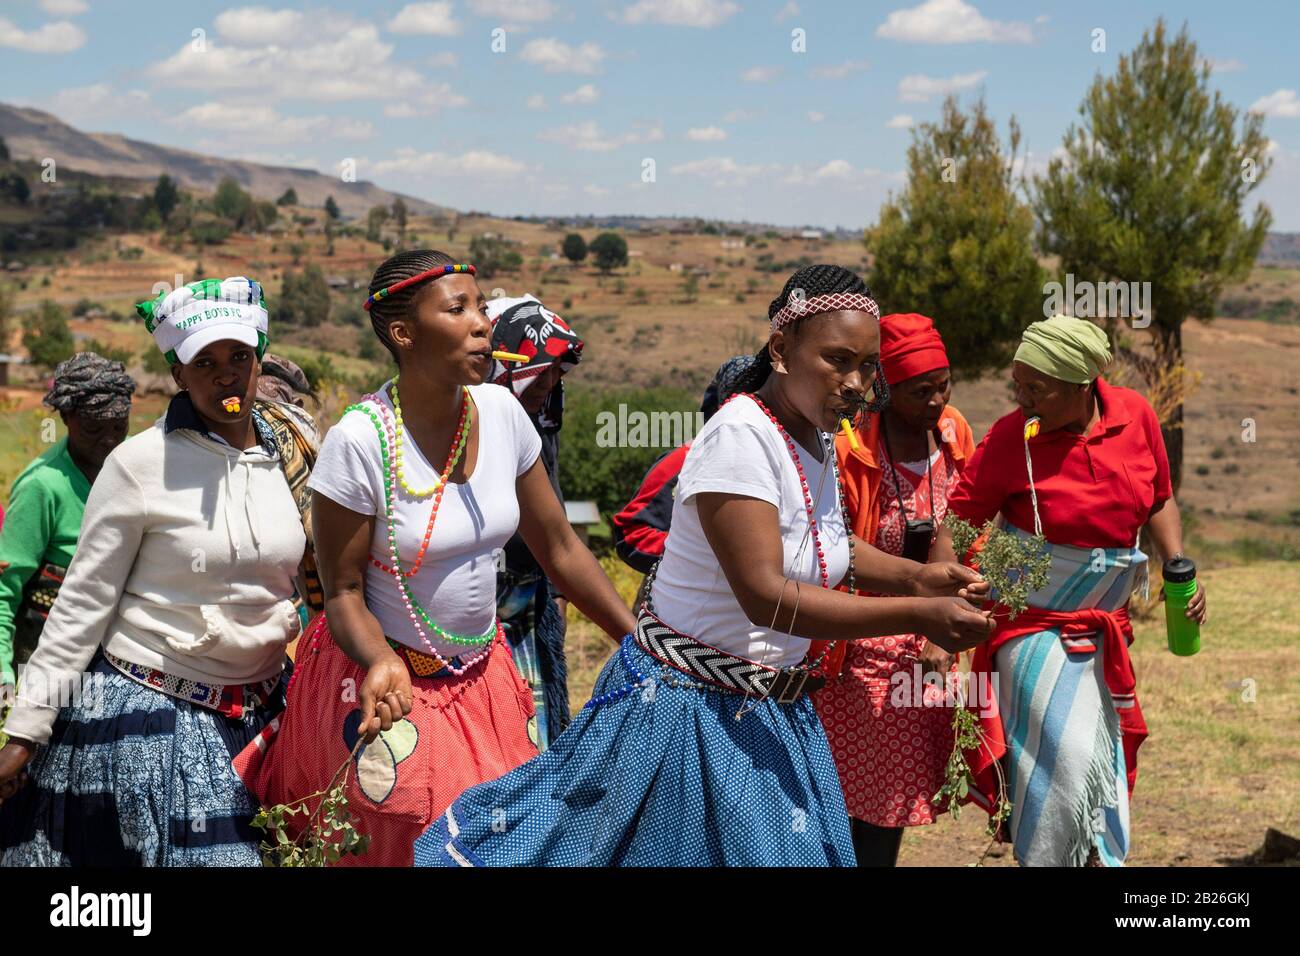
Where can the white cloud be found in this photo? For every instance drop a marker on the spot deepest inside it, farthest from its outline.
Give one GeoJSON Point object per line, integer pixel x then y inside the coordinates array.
{"type": "Point", "coordinates": [65, 8]}
{"type": "Point", "coordinates": [815, 116]}
{"type": "Point", "coordinates": [259, 26]}
{"type": "Point", "coordinates": [429, 19]}
{"type": "Point", "coordinates": [901, 121]}
{"type": "Point", "coordinates": [919, 88]}
{"type": "Point", "coordinates": [591, 189]}
{"type": "Point", "coordinates": [589, 137]}
{"type": "Point", "coordinates": [721, 170]}
{"type": "Point", "coordinates": [343, 60]}
{"type": "Point", "coordinates": [706, 134]}
{"type": "Point", "coordinates": [681, 13]}
{"type": "Point", "coordinates": [475, 164]}
{"type": "Point", "coordinates": [1282, 104]}
{"type": "Point", "coordinates": [57, 37]}
{"type": "Point", "coordinates": [738, 116]}
{"type": "Point", "coordinates": [840, 71]}
{"type": "Point", "coordinates": [583, 94]}
{"type": "Point", "coordinates": [527, 11]}
{"type": "Point", "coordinates": [93, 103]}
{"type": "Point", "coordinates": [261, 124]}
{"type": "Point", "coordinates": [536, 102]}
{"type": "Point", "coordinates": [835, 169]}
{"type": "Point", "coordinates": [762, 74]}
{"type": "Point", "coordinates": [444, 60]}
{"type": "Point", "coordinates": [426, 103]}
{"type": "Point", "coordinates": [555, 56]}
{"type": "Point", "coordinates": [1226, 65]}
{"type": "Point", "coordinates": [791, 9]}
{"type": "Point", "coordinates": [950, 21]}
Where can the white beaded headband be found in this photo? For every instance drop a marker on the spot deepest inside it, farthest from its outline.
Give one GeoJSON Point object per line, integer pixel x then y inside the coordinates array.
{"type": "Point", "coordinates": [799, 307]}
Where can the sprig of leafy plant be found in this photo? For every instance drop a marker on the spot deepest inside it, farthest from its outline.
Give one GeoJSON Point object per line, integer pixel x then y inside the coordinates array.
{"type": "Point", "coordinates": [967, 735]}
{"type": "Point", "coordinates": [328, 834]}
{"type": "Point", "coordinates": [1014, 566]}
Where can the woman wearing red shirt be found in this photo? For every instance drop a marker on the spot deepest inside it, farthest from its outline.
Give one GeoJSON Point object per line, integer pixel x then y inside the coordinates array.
{"type": "Point", "coordinates": [888, 730]}
{"type": "Point", "coordinates": [1065, 720]}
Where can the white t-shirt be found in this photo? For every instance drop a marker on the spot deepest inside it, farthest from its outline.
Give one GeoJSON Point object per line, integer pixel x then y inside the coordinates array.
{"type": "Point", "coordinates": [739, 451]}
{"type": "Point", "coordinates": [456, 584]}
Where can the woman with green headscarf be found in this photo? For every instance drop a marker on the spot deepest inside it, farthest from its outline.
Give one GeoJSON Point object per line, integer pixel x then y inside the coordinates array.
{"type": "Point", "coordinates": [1082, 462]}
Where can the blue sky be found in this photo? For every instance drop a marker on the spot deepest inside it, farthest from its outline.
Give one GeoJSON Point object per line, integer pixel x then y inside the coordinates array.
{"type": "Point", "coordinates": [738, 124]}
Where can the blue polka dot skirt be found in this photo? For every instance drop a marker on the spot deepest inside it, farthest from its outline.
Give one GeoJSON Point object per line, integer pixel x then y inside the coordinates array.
{"type": "Point", "coordinates": [659, 776]}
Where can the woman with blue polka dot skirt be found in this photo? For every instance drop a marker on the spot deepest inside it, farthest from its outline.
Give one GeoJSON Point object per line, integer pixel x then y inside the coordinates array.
{"type": "Point", "coordinates": [701, 746]}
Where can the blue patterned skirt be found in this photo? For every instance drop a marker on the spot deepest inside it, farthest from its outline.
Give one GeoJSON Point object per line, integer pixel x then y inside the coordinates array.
{"type": "Point", "coordinates": [663, 776]}
{"type": "Point", "coordinates": [134, 777]}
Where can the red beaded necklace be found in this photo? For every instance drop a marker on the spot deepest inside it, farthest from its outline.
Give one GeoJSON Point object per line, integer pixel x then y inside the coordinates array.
{"type": "Point", "coordinates": [803, 485]}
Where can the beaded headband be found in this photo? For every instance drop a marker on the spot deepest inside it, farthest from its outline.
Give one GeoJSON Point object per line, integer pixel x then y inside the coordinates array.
{"type": "Point", "coordinates": [830, 302]}
{"type": "Point", "coordinates": [433, 273]}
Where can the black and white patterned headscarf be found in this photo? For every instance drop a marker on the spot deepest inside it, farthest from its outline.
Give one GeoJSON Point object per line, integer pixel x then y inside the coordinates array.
{"type": "Point", "coordinates": [91, 385]}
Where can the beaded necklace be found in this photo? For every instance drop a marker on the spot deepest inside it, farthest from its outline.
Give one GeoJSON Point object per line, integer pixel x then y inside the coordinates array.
{"type": "Point", "coordinates": [828, 460]}
{"type": "Point", "coordinates": [386, 431]}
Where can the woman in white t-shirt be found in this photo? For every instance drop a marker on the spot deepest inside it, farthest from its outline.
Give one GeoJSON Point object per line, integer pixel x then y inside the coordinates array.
{"type": "Point", "coordinates": [701, 746]}
{"type": "Point", "coordinates": [415, 492]}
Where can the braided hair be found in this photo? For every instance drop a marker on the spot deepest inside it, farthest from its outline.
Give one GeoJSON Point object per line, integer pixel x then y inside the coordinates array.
{"type": "Point", "coordinates": [807, 283]}
{"type": "Point", "coordinates": [400, 305]}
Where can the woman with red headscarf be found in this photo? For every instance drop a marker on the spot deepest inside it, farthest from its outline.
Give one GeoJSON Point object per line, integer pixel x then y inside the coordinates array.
{"type": "Point", "coordinates": [888, 731]}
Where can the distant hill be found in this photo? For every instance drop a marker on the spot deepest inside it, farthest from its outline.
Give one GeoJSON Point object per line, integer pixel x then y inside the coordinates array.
{"type": "Point", "coordinates": [32, 134]}
{"type": "Point", "coordinates": [1280, 249]}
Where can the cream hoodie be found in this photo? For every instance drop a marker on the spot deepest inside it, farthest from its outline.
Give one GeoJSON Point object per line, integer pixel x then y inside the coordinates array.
{"type": "Point", "coordinates": [186, 563]}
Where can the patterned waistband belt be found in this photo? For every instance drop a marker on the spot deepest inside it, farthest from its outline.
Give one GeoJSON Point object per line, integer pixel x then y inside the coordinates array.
{"type": "Point", "coordinates": [720, 669]}
{"type": "Point", "coordinates": [229, 699]}
{"type": "Point", "coordinates": [424, 665]}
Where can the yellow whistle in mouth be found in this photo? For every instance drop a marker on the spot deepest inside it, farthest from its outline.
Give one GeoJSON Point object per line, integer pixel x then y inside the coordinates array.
{"type": "Point", "coordinates": [509, 357]}
{"type": "Point", "coordinates": [1031, 427]}
{"type": "Point", "coordinates": [847, 428]}
{"type": "Point", "coordinates": [232, 405]}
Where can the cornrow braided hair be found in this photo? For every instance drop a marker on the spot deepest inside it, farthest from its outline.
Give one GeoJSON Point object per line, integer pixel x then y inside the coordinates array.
{"type": "Point", "coordinates": [810, 281]}
{"type": "Point", "coordinates": [401, 304]}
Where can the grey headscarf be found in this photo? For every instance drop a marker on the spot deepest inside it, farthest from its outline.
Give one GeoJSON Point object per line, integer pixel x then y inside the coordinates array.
{"type": "Point", "coordinates": [91, 385]}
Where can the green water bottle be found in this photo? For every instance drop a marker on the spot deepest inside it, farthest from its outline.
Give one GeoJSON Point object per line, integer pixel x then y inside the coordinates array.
{"type": "Point", "coordinates": [1180, 587]}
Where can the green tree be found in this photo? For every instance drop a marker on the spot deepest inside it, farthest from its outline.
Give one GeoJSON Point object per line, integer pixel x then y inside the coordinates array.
{"type": "Point", "coordinates": [574, 248]}
{"type": "Point", "coordinates": [332, 208]}
{"type": "Point", "coordinates": [609, 250]}
{"type": "Point", "coordinates": [1152, 189]}
{"type": "Point", "coordinates": [304, 298]}
{"type": "Point", "coordinates": [165, 195]}
{"type": "Point", "coordinates": [494, 255]}
{"type": "Point", "coordinates": [375, 220]}
{"type": "Point", "coordinates": [288, 198]}
{"type": "Point", "coordinates": [47, 338]}
{"type": "Point", "coordinates": [957, 245]}
{"type": "Point", "coordinates": [14, 185]}
{"type": "Point", "coordinates": [231, 202]}
{"type": "Point", "coordinates": [399, 217]}
{"type": "Point", "coordinates": [4, 150]}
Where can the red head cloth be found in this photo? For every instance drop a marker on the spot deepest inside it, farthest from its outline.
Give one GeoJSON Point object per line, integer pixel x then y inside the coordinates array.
{"type": "Point", "coordinates": [909, 346]}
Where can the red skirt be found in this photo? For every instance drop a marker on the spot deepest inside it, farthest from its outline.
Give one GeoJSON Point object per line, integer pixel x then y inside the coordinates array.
{"type": "Point", "coordinates": [891, 735]}
{"type": "Point", "coordinates": [460, 732]}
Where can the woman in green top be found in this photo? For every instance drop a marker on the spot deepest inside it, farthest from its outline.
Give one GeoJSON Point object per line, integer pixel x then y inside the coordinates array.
{"type": "Point", "coordinates": [93, 397]}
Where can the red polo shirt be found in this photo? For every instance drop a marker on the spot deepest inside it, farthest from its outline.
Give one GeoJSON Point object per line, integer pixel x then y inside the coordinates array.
{"type": "Point", "coordinates": [1094, 491]}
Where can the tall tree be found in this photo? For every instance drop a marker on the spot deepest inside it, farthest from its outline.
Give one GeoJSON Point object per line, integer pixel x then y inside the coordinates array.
{"type": "Point", "coordinates": [399, 217]}
{"type": "Point", "coordinates": [47, 337]}
{"type": "Point", "coordinates": [375, 220]}
{"type": "Point", "coordinates": [165, 196]}
{"type": "Point", "coordinates": [609, 250]}
{"type": "Point", "coordinates": [288, 198]}
{"type": "Point", "coordinates": [574, 248]}
{"type": "Point", "coordinates": [957, 244]}
{"type": "Point", "coordinates": [332, 208]}
{"type": "Point", "coordinates": [1152, 189]}
{"type": "Point", "coordinates": [4, 150]}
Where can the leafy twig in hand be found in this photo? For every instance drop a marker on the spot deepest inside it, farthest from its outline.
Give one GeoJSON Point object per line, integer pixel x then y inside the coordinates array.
{"type": "Point", "coordinates": [328, 833]}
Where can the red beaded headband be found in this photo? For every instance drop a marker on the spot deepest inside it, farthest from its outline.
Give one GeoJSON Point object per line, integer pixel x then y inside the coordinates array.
{"type": "Point", "coordinates": [433, 273]}
{"type": "Point", "coordinates": [798, 308]}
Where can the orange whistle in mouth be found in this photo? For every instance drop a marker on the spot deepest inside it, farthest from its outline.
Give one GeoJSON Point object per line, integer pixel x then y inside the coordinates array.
{"type": "Point", "coordinates": [848, 433]}
{"type": "Point", "coordinates": [231, 405]}
{"type": "Point", "coordinates": [1031, 427]}
{"type": "Point", "coordinates": [509, 357]}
